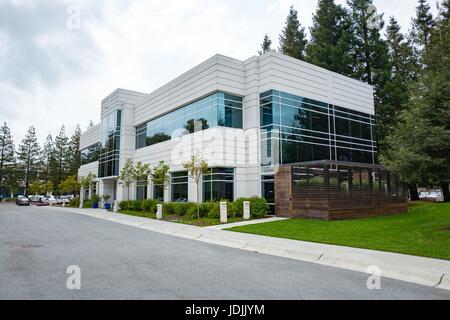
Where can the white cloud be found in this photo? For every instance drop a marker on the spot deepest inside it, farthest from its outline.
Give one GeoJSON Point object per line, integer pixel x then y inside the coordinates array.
{"type": "Point", "coordinates": [55, 75]}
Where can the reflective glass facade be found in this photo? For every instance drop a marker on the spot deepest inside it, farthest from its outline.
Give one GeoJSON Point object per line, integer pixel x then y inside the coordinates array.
{"type": "Point", "coordinates": [296, 129]}
{"type": "Point", "coordinates": [179, 186]}
{"type": "Point", "coordinates": [110, 145]}
{"type": "Point", "coordinates": [90, 154]}
{"type": "Point", "coordinates": [218, 185]}
{"type": "Point", "coordinates": [218, 109]}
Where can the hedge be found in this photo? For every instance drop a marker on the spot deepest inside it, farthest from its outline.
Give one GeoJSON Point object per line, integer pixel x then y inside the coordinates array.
{"type": "Point", "coordinates": [258, 208]}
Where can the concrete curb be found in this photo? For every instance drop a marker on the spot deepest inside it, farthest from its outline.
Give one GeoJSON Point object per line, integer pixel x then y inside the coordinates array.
{"type": "Point", "coordinates": [419, 270]}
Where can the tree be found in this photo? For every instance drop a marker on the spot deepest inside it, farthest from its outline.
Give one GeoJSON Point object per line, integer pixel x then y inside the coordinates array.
{"type": "Point", "coordinates": [331, 37]}
{"type": "Point", "coordinates": [47, 187]}
{"type": "Point", "coordinates": [12, 179]}
{"type": "Point", "coordinates": [293, 39]}
{"type": "Point", "coordinates": [402, 70]}
{"type": "Point", "coordinates": [36, 187]}
{"type": "Point", "coordinates": [141, 172]}
{"type": "Point", "coordinates": [61, 155]}
{"type": "Point", "coordinates": [266, 45]}
{"type": "Point", "coordinates": [419, 146]}
{"type": "Point", "coordinates": [422, 25]}
{"type": "Point", "coordinates": [46, 157]}
{"type": "Point", "coordinates": [196, 167]}
{"type": "Point", "coordinates": [160, 175]}
{"type": "Point", "coordinates": [91, 125]}
{"type": "Point", "coordinates": [86, 183]}
{"type": "Point", "coordinates": [28, 155]}
{"type": "Point", "coordinates": [70, 185]}
{"type": "Point", "coordinates": [126, 176]}
{"type": "Point", "coordinates": [6, 153]}
{"type": "Point", "coordinates": [73, 159]}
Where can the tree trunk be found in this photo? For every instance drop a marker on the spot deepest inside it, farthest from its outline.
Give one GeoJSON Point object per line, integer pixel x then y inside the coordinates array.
{"type": "Point", "coordinates": [414, 193]}
{"type": "Point", "coordinates": [198, 204]}
{"type": "Point", "coordinates": [445, 192]}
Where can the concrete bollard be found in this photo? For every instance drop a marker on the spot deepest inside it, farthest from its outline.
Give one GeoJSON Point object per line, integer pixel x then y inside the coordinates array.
{"type": "Point", "coordinates": [223, 212]}
{"type": "Point", "coordinates": [246, 210]}
{"type": "Point", "coordinates": [81, 204]}
{"type": "Point", "coordinates": [159, 211]}
{"type": "Point", "coordinates": [116, 206]}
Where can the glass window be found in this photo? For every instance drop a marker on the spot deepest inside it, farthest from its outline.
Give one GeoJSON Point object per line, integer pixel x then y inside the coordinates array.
{"type": "Point", "coordinates": [219, 109]}
{"type": "Point", "coordinates": [218, 184]}
{"type": "Point", "coordinates": [158, 192]}
{"type": "Point", "coordinates": [179, 186]}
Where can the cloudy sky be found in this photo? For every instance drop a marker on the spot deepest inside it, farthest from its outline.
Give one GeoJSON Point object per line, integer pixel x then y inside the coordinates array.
{"type": "Point", "coordinates": [55, 68]}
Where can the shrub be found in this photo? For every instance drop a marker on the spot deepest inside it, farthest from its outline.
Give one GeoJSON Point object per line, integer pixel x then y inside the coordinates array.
{"type": "Point", "coordinates": [149, 205]}
{"type": "Point", "coordinates": [136, 205]}
{"type": "Point", "coordinates": [168, 208]}
{"type": "Point", "coordinates": [87, 204]}
{"type": "Point", "coordinates": [124, 205]}
{"type": "Point", "coordinates": [258, 206]}
{"type": "Point", "coordinates": [191, 212]}
{"type": "Point", "coordinates": [214, 211]}
{"type": "Point", "coordinates": [74, 203]}
{"type": "Point", "coordinates": [181, 209]}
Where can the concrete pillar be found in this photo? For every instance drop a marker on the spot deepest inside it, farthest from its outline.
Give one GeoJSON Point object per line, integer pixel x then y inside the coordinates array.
{"type": "Point", "coordinates": [116, 206]}
{"type": "Point", "coordinates": [159, 211]}
{"type": "Point", "coordinates": [223, 212]}
{"type": "Point", "coordinates": [246, 210]}
{"type": "Point", "coordinates": [81, 197]}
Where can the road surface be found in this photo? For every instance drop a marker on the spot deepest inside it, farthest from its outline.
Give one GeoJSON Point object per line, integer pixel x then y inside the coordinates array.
{"type": "Point", "coordinates": [37, 245]}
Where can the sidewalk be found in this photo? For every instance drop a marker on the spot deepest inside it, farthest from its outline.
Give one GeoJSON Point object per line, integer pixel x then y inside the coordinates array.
{"type": "Point", "coordinates": [424, 271]}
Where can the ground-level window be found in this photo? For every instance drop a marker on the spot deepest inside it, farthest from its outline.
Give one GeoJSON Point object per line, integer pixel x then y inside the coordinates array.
{"type": "Point", "coordinates": [218, 184]}
{"type": "Point", "coordinates": [141, 190]}
{"type": "Point", "coordinates": [268, 191]}
{"type": "Point", "coordinates": [158, 192]}
{"type": "Point", "coordinates": [179, 186]}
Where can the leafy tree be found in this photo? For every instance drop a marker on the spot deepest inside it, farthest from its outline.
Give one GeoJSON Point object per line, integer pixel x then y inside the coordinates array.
{"type": "Point", "coordinates": [141, 172]}
{"type": "Point", "coordinates": [126, 176]}
{"type": "Point", "coordinates": [293, 39]}
{"type": "Point", "coordinates": [28, 155]}
{"type": "Point", "coordinates": [160, 174]}
{"type": "Point", "coordinates": [196, 167]}
{"type": "Point", "coordinates": [6, 153]}
{"type": "Point", "coordinates": [331, 37]}
{"type": "Point", "coordinates": [87, 181]}
{"type": "Point", "coordinates": [70, 185]}
{"type": "Point", "coordinates": [47, 187]}
{"type": "Point", "coordinates": [266, 45]}
{"type": "Point", "coordinates": [36, 187]}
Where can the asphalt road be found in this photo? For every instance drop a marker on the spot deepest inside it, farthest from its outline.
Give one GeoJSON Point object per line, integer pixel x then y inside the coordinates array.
{"type": "Point", "coordinates": [37, 246]}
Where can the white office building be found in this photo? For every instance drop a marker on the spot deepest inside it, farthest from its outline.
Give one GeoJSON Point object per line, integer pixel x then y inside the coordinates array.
{"type": "Point", "coordinates": [243, 117]}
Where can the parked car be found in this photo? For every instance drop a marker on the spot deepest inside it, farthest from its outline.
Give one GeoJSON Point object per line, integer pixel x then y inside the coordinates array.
{"type": "Point", "coordinates": [52, 200]}
{"type": "Point", "coordinates": [22, 201]}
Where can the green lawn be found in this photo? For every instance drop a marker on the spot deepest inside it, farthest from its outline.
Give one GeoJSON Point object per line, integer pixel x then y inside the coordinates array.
{"type": "Point", "coordinates": [203, 222]}
{"type": "Point", "coordinates": [423, 231]}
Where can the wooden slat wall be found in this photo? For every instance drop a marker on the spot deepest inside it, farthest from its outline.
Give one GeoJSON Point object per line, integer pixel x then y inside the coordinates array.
{"type": "Point", "coordinates": [331, 202]}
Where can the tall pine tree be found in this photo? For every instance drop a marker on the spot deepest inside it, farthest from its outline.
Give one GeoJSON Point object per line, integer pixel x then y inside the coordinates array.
{"type": "Point", "coordinates": [422, 25]}
{"type": "Point", "coordinates": [61, 155]}
{"type": "Point", "coordinates": [331, 36]}
{"type": "Point", "coordinates": [74, 160]}
{"type": "Point", "coordinates": [46, 158]}
{"type": "Point", "coordinates": [419, 146]}
{"type": "Point", "coordinates": [28, 155]}
{"type": "Point", "coordinates": [6, 154]}
{"type": "Point", "coordinates": [293, 39]}
{"type": "Point", "coordinates": [266, 45]}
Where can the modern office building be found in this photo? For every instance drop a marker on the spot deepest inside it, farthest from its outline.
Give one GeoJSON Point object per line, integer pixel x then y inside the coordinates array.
{"type": "Point", "coordinates": [246, 118]}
